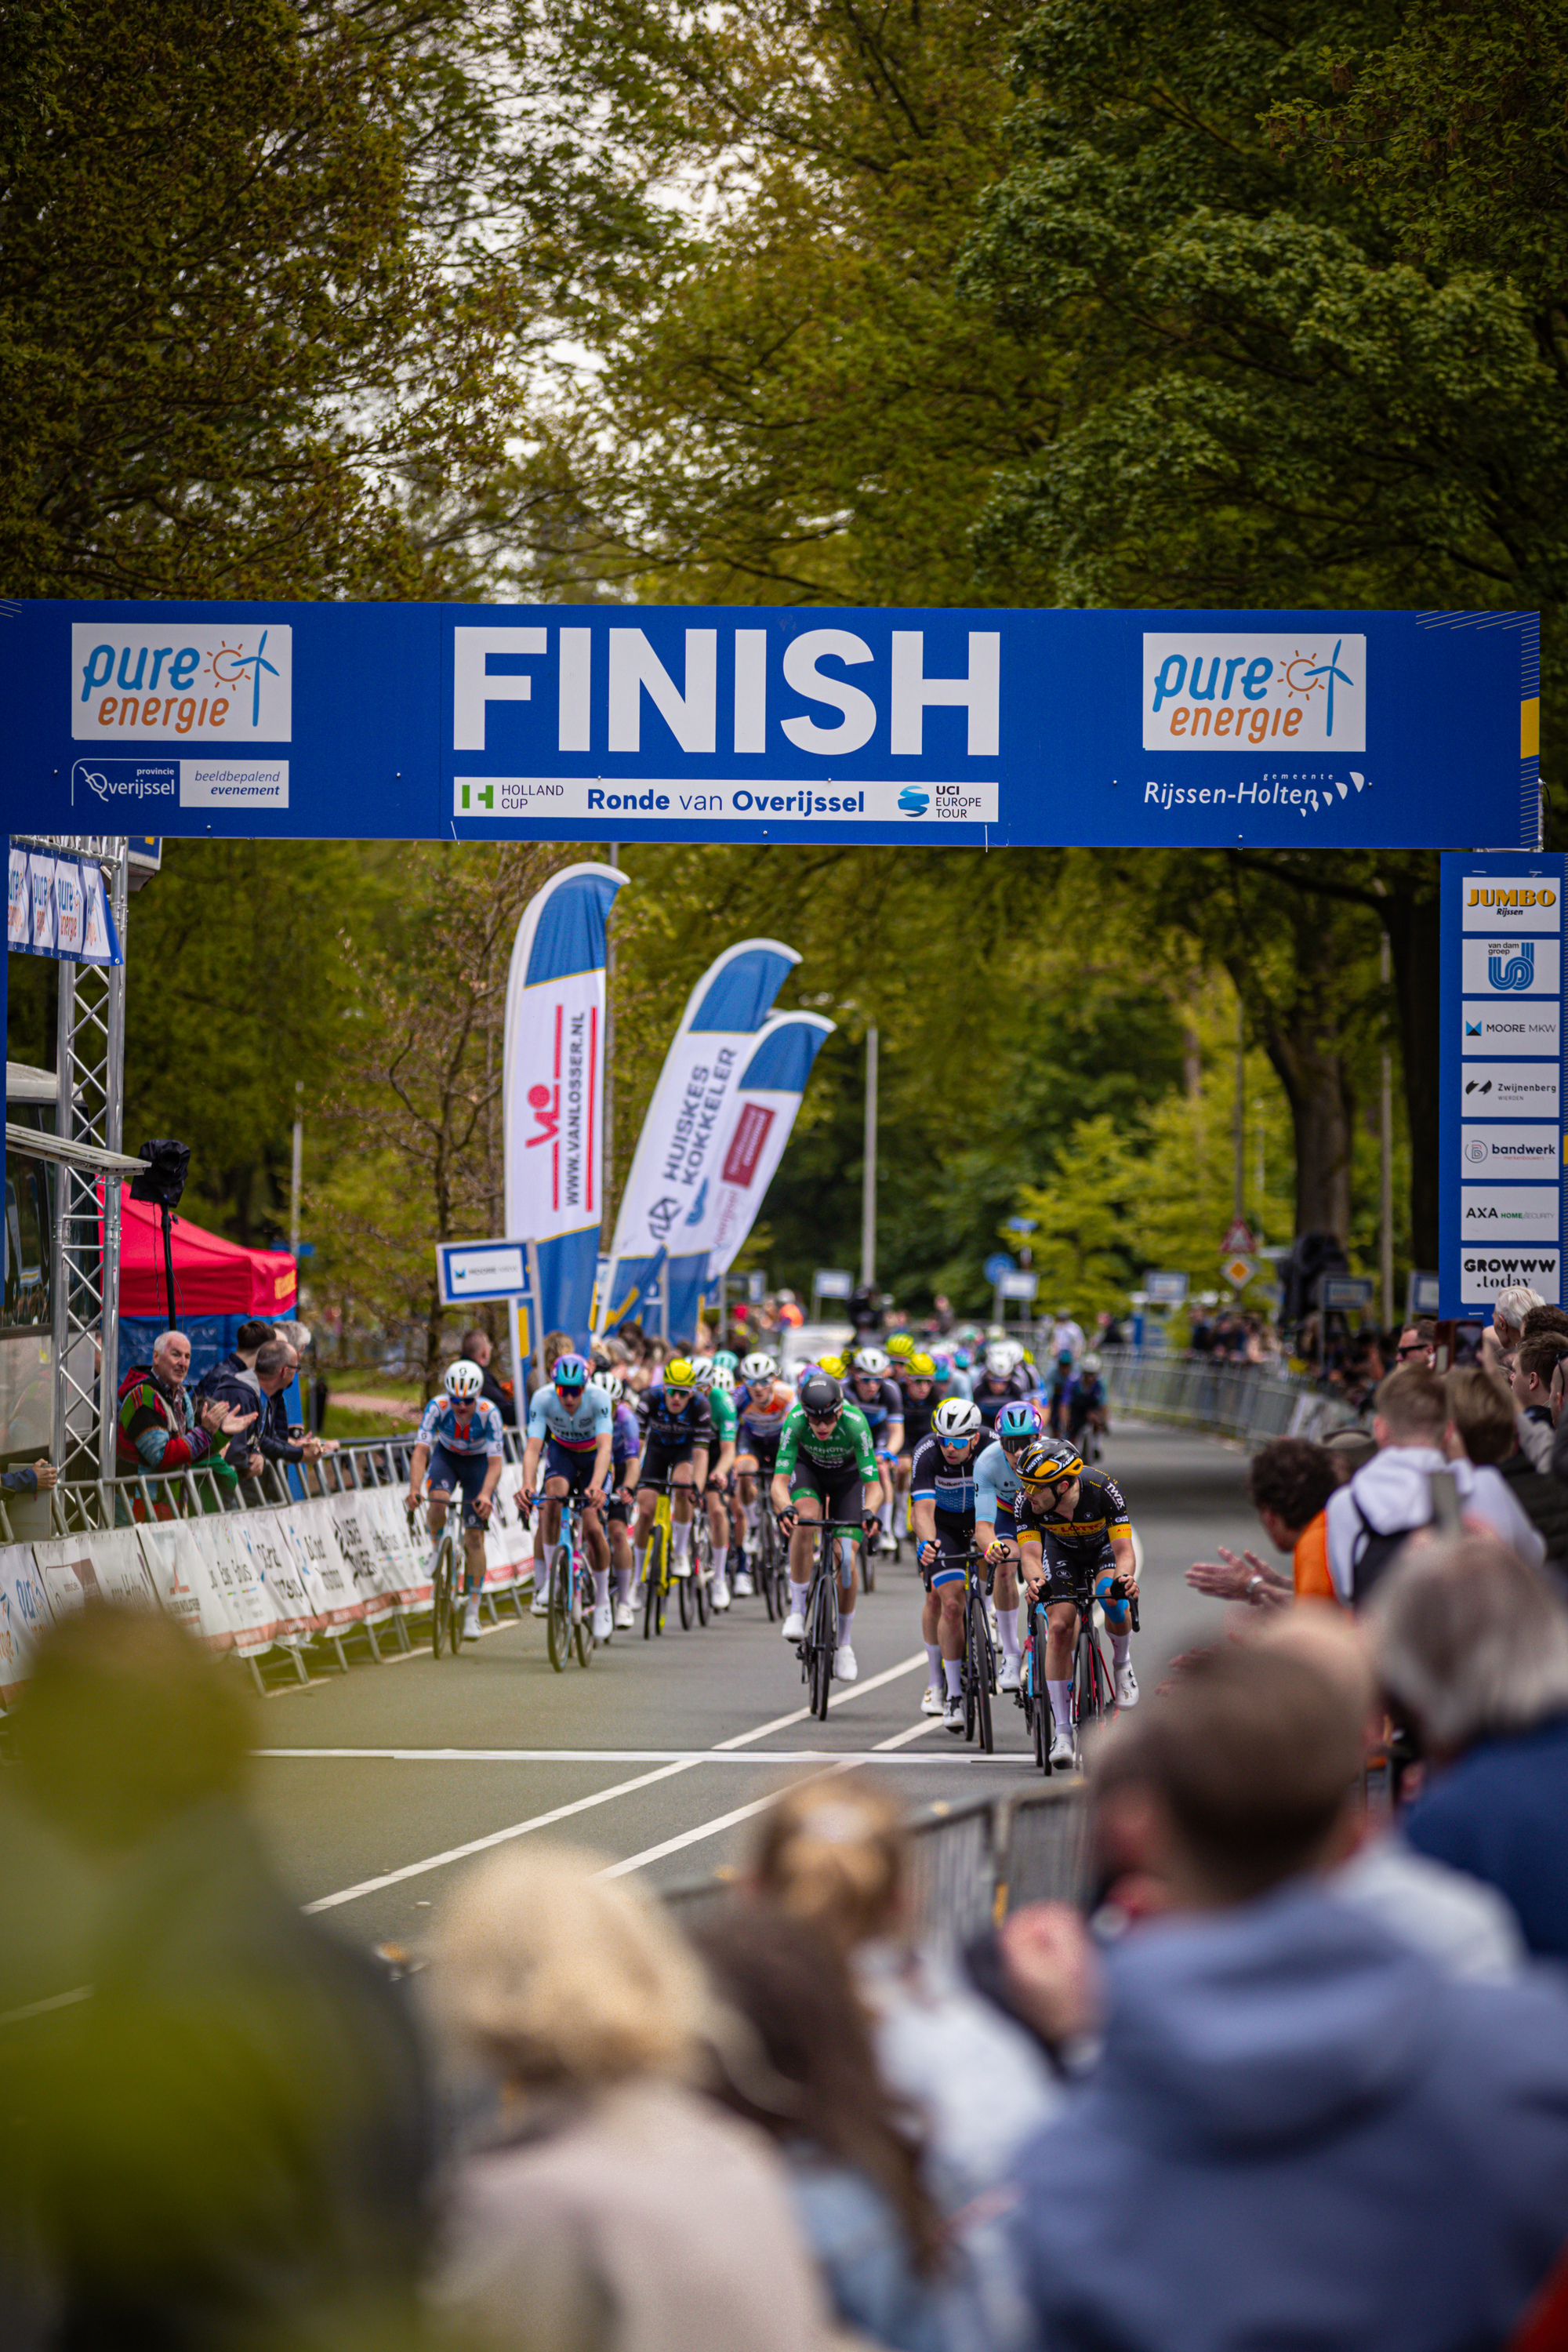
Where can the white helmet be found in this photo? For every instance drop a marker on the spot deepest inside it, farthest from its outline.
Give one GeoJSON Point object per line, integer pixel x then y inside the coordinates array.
{"type": "Point", "coordinates": [1002, 1357]}
{"type": "Point", "coordinates": [1090, 1363]}
{"type": "Point", "coordinates": [464, 1379]}
{"type": "Point", "coordinates": [870, 1363]}
{"type": "Point", "coordinates": [700, 1368]}
{"type": "Point", "coordinates": [615, 1387]}
{"type": "Point", "coordinates": [758, 1367]}
{"type": "Point", "coordinates": [957, 1422]}
{"type": "Point", "coordinates": [720, 1378]}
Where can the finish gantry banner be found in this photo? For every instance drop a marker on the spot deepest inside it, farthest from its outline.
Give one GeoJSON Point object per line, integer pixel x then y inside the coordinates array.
{"type": "Point", "coordinates": [1149, 729]}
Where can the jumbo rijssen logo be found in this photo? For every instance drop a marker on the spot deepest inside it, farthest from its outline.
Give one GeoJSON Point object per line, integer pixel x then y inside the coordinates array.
{"type": "Point", "coordinates": [208, 684]}
{"type": "Point", "coordinates": [1233, 693]}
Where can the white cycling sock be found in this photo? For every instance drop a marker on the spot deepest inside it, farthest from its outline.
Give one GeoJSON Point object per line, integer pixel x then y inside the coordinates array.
{"type": "Point", "coordinates": [679, 1539]}
{"type": "Point", "coordinates": [639, 1563]}
{"type": "Point", "coordinates": [953, 1669]}
{"type": "Point", "coordinates": [934, 1655]}
{"type": "Point", "coordinates": [1061, 1704]}
{"type": "Point", "coordinates": [1121, 1650]}
{"type": "Point", "coordinates": [798, 1597]}
{"type": "Point", "coordinates": [1007, 1626]}
{"type": "Point", "coordinates": [624, 1583]}
{"type": "Point", "coordinates": [885, 1513]}
{"type": "Point", "coordinates": [601, 1588]}
{"type": "Point", "coordinates": [846, 1628]}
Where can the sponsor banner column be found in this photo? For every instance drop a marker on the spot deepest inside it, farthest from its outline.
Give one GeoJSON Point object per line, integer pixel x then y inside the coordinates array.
{"type": "Point", "coordinates": [1501, 1100]}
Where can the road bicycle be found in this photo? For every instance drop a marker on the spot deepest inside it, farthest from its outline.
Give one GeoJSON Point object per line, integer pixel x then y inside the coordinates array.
{"type": "Point", "coordinates": [773, 1553]}
{"type": "Point", "coordinates": [819, 1642]}
{"type": "Point", "coordinates": [446, 1604]}
{"type": "Point", "coordinates": [569, 1603]}
{"type": "Point", "coordinates": [1093, 1684]}
{"type": "Point", "coordinates": [693, 1590]}
{"type": "Point", "coordinates": [977, 1664]}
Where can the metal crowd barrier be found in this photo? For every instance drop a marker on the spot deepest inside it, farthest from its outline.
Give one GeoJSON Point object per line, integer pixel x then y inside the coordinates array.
{"type": "Point", "coordinates": [1252, 1402]}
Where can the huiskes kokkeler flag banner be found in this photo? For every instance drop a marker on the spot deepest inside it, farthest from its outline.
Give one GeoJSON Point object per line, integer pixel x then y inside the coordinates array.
{"type": "Point", "coordinates": [665, 1206]}
{"type": "Point", "coordinates": [766, 1098]}
{"type": "Point", "coordinates": [552, 1092]}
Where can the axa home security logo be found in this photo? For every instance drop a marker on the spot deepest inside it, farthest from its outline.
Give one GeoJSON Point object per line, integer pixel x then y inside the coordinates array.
{"type": "Point", "coordinates": [913, 802]}
{"type": "Point", "coordinates": [232, 684]}
{"type": "Point", "coordinates": [1512, 966]}
{"type": "Point", "coordinates": [1240, 692]}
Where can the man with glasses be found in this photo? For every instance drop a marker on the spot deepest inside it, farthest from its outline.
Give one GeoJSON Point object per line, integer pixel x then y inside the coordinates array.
{"type": "Point", "coordinates": [996, 1492]}
{"type": "Point", "coordinates": [1075, 1537]}
{"type": "Point", "coordinates": [1417, 1343]}
{"type": "Point", "coordinates": [942, 1490]}
{"type": "Point", "coordinates": [825, 1454]}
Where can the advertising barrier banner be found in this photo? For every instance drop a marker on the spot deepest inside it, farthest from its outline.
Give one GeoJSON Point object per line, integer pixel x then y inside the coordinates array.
{"type": "Point", "coordinates": [613, 722]}
{"type": "Point", "coordinates": [24, 1614]}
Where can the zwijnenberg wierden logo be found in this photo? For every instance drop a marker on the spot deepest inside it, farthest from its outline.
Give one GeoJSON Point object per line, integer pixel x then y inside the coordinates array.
{"type": "Point", "coordinates": [1242, 692]}
{"type": "Point", "coordinates": [228, 685]}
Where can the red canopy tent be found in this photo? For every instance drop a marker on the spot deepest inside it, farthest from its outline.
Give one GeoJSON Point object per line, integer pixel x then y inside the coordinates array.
{"type": "Point", "coordinates": [212, 1276]}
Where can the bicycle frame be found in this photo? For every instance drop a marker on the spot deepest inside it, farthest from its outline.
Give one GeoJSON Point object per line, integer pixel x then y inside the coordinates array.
{"type": "Point", "coordinates": [820, 1640]}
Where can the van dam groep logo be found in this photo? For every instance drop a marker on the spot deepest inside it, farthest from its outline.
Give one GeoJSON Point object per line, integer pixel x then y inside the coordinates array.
{"type": "Point", "coordinates": [1241, 692]}
{"type": "Point", "coordinates": [231, 684]}
{"type": "Point", "coordinates": [1510, 964]}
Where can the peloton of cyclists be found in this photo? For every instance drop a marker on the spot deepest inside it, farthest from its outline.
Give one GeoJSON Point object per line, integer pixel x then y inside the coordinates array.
{"type": "Point", "coordinates": [571, 1422]}
{"type": "Point", "coordinates": [764, 1403]}
{"type": "Point", "coordinates": [717, 1384]}
{"type": "Point", "coordinates": [825, 1468]}
{"type": "Point", "coordinates": [459, 1442]}
{"type": "Point", "coordinates": [625, 1444]}
{"type": "Point", "coordinates": [1003, 1375]}
{"type": "Point", "coordinates": [997, 1489]}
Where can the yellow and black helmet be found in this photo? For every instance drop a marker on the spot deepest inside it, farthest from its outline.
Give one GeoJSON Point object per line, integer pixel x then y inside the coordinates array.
{"type": "Point", "coordinates": [680, 1372]}
{"type": "Point", "coordinates": [900, 1344]}
{"type": "Point", "coordinates": [1047, 1461]}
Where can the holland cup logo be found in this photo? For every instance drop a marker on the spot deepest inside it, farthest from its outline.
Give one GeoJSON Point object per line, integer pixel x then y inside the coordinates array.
{"type": "Point", "coordinates": [1512, 972]}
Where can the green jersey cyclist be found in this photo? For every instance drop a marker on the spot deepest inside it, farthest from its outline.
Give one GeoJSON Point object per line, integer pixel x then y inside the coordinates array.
{"type": "Point", "coordinates": [826, 1469]}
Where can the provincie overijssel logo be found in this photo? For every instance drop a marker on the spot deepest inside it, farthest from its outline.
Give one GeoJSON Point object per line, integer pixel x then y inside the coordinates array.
{"type": "Point", "coordinates": [1241, 692]}
{"type": "Point", "coordinates": [223, 685]}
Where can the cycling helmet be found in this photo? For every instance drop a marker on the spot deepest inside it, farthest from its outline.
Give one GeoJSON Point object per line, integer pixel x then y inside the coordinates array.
{"type": "Point", "coordinates": [727, 1360]}
{"type": "Point", "coordinates": [820, 1393]}
{"type": "Point", "coordinates": [1047, 1461]}
{"type": "Point", "coordinates": [615, 1387]}
{"type": "Point", "coordinates": [1090, 1363]}
{"type": "Point", "coordinates": [720, 1378]}
{"type": "Point", "coordinates": [758, 1367]}
{"type": "Point", "coordinates": [900, 1344]}
{"type": "Point", "coordinates": [570, 1373]}
{"type": "Point", "coordinates": [702, 1366]}
{"type": "Point", "coordinates": [835, 1367]}
{"type": "Point", "coordinates": [1019, 1422]}
{"type": "Point", "coordinates": [963, 1358]}
{"type": "Point", "coordinates": [1002, 1357]}
{"type": "Point", "coordinates": [871, 1364]}
{"type": "Point", "coordinates": [464, 1379]}
{"type": "Point", "coordinates": [680, 1373]}
{"type": "Point", "coordinates": [1064, 1355]}
{"type": "Point", "coordinates": [920, 1368]}
{"type": "Point", "coordinates": [956, 1423]}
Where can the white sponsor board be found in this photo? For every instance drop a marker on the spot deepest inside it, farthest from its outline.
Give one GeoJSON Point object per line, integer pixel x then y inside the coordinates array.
{"type": "Point", "coordinates": [234, 784]}
{"type": "Point", "coordinates": [1493, 1025]}
{"type": "Point", "coordinates": [1526, 1088]}
{"type": "Point", "coordinates": [1483, 1272]}
{"type": "Point", "coordinates": [1509, 1212]}
{"type": "Point", "coordinates": [180, 679]}
{"type": "Point", "coordinates": [25, 1615]}
{"type": "Point", "coordinates": [1512, 1151]}
{"type": "Point", "coordinates": [187, 1581]}
{"type": "Point", "coordinates": [309, 1533]}
{"type": "Point", "coordinates": [363, 1548]}
{"type": "Point", "coordinates": [1254, 692]}
{"type": "Point", "coordinates": [1506, 963]}
{"type": "Point", "coordinates": [720, 801]}
{"type": "Point", "coordinates": [1528, 902]}
{"type": "Point", "coordinates": [103, 1567]}
{"type": "Point", "coordinates": [294, 1613]}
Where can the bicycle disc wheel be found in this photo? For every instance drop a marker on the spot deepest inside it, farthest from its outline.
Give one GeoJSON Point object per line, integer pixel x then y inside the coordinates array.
{"type": "Point", "coordinates": [768, 1564]}
{"type": "Point", "coordinates": [558, 1612]}
{"type": "Point", "coordinates": [683, 1587]}
{"type": "Point", "coordinates": [980, 1664]}
{"type": "Point", "coordinates": [823, 1644]}
{"type": "Point", "coordinates": [868, 1570]}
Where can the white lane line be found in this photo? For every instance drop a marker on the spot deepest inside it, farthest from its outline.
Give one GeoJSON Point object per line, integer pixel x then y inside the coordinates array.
{"type": "Point", "coordinates": [42, 2008]}
{"type": "Point", "coordinates": [918, 1731]}
{"type": "Point", "coordinates": [646, 1755]}
{"type": "Point", "coordinates": [585, 1804]}
{"type": "Point", "coordinates": [721, 1822]}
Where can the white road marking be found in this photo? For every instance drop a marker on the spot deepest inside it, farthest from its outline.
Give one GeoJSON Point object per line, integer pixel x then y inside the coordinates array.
{"type": "Point", "coordinates": [918, 1731]}
{"type": "Point", "coordinates": [41, 2007]}
{"type": "Point", "coordinates": [601, 1797]}
{"type": "Point", "coordinates": [721, 1822]}
{"type": "Point", "coordinates": [650, 1755]}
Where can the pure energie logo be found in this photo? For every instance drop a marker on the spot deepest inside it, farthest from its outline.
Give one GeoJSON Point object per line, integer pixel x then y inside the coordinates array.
{"type": "Point", "coordinates": [1301, 693]}
{"type": "Point", "coordinates": [210, 685]}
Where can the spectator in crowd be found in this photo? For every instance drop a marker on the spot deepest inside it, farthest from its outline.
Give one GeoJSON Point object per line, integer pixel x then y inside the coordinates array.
{"type": "Point", "coordinates": [1534, 1361]}
{"type": "Point", "coordinates": [836, 1857]}
{"type": "Point", "coordinates": [276, 1370]}
{"type": "Point", "coordinates": [1486, 1428]}
{"type": "Point", "coordinates": [229, 2145]}
{"type": "Point", "coordinates": [311, 1442]}
{"type": "Point", "coordinates": [1472, 1651]}
{"type": "Point", "coordinates": [1508, 1310]}
{"type": "Point", "coordinates": [1289, 1484]}
{"type": "Point", "coordinates": [1300, 2130]}
{"type": "Point", "coordinates": [613, 2206]}
{"type": "Point", "coordinates": [29, 1477]}
{"type": "Point", "coordinates": [476, 1346]}
{"type": "Point", "coordinates": [1417, 1343]}
{"type": "Point", "coordinates": [1348, 1450]}
{"type": "Point", "coordinates": [1370, 1519]}
{"type": "Point", "coordinates": [804, 2070]}
{"type": "Point", "coordinates": [241, 1359]}
{"type": "Point", "coordinates": [157, 1428]}
{"type": "Point", "coordinates": [1541, 1319]}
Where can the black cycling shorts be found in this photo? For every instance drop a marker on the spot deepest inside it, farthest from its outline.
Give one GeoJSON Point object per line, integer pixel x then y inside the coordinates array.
{"type": "Point", "coordinates": [956, 1537]}
{"type": "Point", "coordinates": [1072, 1570]}
{"type": "Point", "coordinates": [841, 1493]}
{"type": "Point", "coordinates": [660, 1459]}
{"type": "Point", "coordinates": [614, 1508]}
{"type": "Point", "coordinates": [764, 1450]}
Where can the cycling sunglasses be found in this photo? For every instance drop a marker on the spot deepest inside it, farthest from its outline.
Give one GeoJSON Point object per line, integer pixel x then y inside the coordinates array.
{"type": "Point", "coordinates": [823, 1420]}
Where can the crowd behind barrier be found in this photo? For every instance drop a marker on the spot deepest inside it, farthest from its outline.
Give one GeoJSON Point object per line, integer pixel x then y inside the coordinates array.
{"type": "Point", "coordinates": [1252, 1402]}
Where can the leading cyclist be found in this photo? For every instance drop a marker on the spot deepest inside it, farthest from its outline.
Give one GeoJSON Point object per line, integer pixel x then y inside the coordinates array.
{"type": "Point", "coordinates": [572, 1422]}
{"type": "Point", "coordinates": [1074, 1536]}
{"type": "Point", "coordinates": [825, 1451]}
{"type": "Point", "coordinates": [459, 1441]}
{"type": "Point", "coordinates": [942, 1492]}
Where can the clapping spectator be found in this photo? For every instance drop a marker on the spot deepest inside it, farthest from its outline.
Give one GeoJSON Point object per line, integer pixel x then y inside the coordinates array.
{"type": "Point", "coordinates": [277, 1368]}
{"type": "Point", "coordinates": [1289, 1484]}
{"type": "Point", "coordinates": [1300, 2130]}
{"type": "Point", "coordinates": [157, 1429]}
{"type": "Point", "coordinates": [612, 2206]}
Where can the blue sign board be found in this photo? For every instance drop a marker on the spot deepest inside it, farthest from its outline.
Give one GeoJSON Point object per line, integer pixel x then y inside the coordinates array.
{"type": "Point", "coordinates": [469, 1272]}
{"type": "Point", "coordinates": [997, 1267]}
{"type": "Point", "coordinates": [1501, 1178]}
{"type": "Point", "coordinates": [749, 723]}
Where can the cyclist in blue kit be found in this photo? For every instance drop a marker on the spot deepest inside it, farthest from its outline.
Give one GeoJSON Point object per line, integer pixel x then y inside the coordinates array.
{"type": "Point", "coordinates": [572, 1422]}
{"type": "Point", "coordinates": [459, 1442]}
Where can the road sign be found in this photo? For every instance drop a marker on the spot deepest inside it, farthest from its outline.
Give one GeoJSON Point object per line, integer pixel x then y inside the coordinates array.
{"type": "Point", "coordinates": [756, 1285]}
{"type": "Point", "coordinates": [1022, 1225]}
{"type": "Point", "coordinates": [832, 1282]}
{"type": "Point", "coordinates": [1421, 1298]}
{"type": "Point", "coordinates": [998, 1266]}
{"type": "Point", "coordinates": [1239, 1269]}
{"type": "Point", "coordinates": [1017, 1286]}
{"type": "Point", "coordinates": [1344, 1290]}
{"type": "Point", "coordinates": [470, 1271]}
{"type": "Point", "coordinates": [1166, 1289]}
{"type": "Point", "coordinates": [1238, 1237]}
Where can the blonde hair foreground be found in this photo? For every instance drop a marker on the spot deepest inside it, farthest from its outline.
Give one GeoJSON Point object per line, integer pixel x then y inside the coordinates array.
{"type": "Point", "coordinates": [834, 1857]}
{"type": "Point", "coordinates": [565, 1979]}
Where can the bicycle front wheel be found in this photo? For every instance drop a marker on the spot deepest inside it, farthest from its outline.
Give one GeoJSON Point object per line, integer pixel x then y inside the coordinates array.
{"type": "Point", "coordinates": [701, 1567]}
{"type": "Point", "coordinates": [979, 1671]}
{"type": "Point", "coordinates": [438, 1609]}
{"type": "Point", "coordinates": [454, 1595]}
{"type": "Point", "coordinates": [823, 1642]}
{"type": "Point", "coordinates": [768, 1563]}
{"type": "Point", "coordinates": [583, 1622]}
{"type": "Point", "coordinates": [558, 1612]}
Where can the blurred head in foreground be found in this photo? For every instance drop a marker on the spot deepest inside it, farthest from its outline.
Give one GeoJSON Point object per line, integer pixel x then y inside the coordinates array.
{"type": "Point", "coordinates": [834, 1856]}
{"type": "Point", "coordinates": [1470, 1643]}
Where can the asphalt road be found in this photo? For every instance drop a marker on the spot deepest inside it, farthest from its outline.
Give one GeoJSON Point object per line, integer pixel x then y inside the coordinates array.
{"type": "Point", "coordinates": [376, 1788]}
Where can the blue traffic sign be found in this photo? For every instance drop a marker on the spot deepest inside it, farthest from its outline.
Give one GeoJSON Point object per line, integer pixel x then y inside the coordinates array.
{"type": "Point", "coordinates": [997, 1267]}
